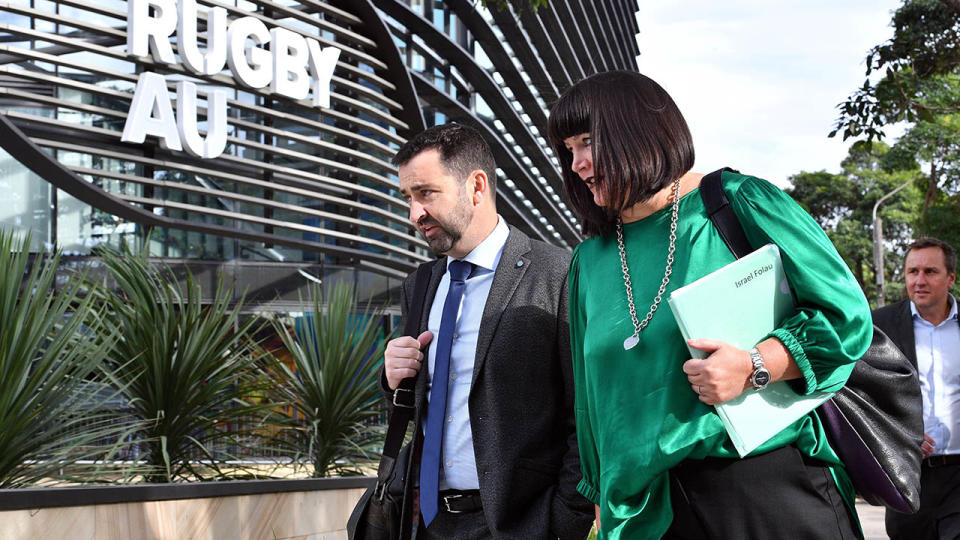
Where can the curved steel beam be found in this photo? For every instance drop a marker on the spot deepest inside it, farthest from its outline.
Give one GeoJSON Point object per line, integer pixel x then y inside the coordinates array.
{"type": "Point", "coordinates": [581, 50]}
{"type": "Point", "coordinates": [628, 23]}
{"type": "Point", "coordinates": [18, 145]}
{"type": "Point", "coordinates": [482, 32]}
{"type": "Point", "coordinates": [592, 36]}
{"type": "Point", "coordinates": [523, 47]}
{"type": "Point", "coordinates": [610, 35]}
{"type": "Point", "coordinates": [406, 95]}
{"type": "Point", "coordinates": [558, 36]}
{"type": "Point", "coordinates": [547, 50]}
{"type": "Point", "coordinates": [492, 94]}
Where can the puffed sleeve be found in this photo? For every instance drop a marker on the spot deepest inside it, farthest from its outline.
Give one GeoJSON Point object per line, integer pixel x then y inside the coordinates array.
{"type": "Point", "coordinates": [831, 328]}
{"type": "Point", "coordinates": [589, 460]}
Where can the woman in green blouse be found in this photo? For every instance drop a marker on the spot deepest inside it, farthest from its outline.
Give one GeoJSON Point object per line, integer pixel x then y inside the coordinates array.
{"type": "Point", "coordinates": [656, 459]}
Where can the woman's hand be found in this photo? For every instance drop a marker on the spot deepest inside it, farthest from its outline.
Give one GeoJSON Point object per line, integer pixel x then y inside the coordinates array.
{"type": "Point", "coordinates": [596, 514]}
{"type": "Point", "coordinates": [723, 375]}
{"type": "Point", "coordinates": [726, 373]}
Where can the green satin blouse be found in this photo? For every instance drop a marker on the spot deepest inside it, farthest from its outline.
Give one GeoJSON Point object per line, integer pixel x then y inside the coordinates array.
{"type": "Point", "coordinates": [636, 414]}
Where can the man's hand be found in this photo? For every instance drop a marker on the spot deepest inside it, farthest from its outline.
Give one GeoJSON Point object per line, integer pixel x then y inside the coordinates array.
{"type": "Point", "coordinates": [596, 514]}
{"type": "Point", "coordinates": [403, 358]}
{"type": "Point", "coordinates": [928, 445]}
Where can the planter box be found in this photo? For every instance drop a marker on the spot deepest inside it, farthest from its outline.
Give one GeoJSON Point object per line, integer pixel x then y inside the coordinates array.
{"type": "Point", "coordinates": [315, 509]}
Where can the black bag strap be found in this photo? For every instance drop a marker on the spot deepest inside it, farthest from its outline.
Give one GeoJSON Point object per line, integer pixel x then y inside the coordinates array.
{"type": "Point", "coordinates": [721, 213]}
{"type": "Point", "coordinates": [403, 397]}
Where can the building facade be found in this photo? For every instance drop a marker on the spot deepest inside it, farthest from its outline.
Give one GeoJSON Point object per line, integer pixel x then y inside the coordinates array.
{"type": "Point", "coordinates": [252, 139]}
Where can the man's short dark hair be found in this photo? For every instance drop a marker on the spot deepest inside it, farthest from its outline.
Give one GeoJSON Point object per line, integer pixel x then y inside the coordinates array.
{"type": "Point", "coordinates": [462, 151]}
{"type": "Point", "coordinates": [949, 254]}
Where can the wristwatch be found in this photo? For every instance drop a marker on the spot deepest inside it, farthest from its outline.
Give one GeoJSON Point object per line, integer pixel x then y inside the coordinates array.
{"type": "Point", "coordinates": [761, 377]}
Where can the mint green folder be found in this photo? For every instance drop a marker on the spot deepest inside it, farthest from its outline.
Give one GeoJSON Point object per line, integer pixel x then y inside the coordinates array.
{"type": "Point", "coordinates": [740, 304]}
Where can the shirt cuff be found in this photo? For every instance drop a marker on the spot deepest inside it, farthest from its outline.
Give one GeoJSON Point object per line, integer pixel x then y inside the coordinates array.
{"type": "Point", "coordinates": [588, 491]}
{"type": "Point", "coordinates": [799, 356]}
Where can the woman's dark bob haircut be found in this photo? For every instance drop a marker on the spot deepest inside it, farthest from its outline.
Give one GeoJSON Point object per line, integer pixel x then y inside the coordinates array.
{"type": "Point", "coordinates": [640, 143]}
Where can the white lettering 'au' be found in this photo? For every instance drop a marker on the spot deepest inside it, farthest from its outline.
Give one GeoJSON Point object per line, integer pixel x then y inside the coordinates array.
{"type": "Point", "coordinates": [152, 114]}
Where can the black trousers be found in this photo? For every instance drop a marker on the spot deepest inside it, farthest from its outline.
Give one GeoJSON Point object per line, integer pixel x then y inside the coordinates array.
{"type": "Point", "coordinates": [471, 525]}
{"type": "Point", "coordinates": [446, 526]}
{"type": "Point", "coordinates": [939, 514]}
{"type": "Point", "coordinates": [780, 494]}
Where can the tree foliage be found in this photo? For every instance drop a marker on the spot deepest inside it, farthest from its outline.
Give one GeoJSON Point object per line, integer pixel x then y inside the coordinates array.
{"type": "Point", "coordinates": [913, 80]}
{"type": "Point", "coordinates": [920, 86]}
{"type": "Point", "coordinates": [842, 204]}
{"type": "Point", "coordinates": [935, 143]}
{"type": "Point", "coordinates": [918, 65]}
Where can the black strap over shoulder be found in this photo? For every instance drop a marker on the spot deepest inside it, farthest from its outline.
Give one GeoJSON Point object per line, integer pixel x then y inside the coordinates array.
{"type": "Point", "coordinates": [721, 213]}
{"type": "Point", "coordinates": [403, 397]}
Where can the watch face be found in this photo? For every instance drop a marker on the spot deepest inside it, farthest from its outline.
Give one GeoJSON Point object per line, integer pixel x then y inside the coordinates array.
{"type": "Point", "coordinates": [761, 378]}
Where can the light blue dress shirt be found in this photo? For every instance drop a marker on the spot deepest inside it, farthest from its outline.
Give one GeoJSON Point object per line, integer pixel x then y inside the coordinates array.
{"type": "Point", "coordinates": [458, 466]}
{"type": "Point", "coordinates": [938, 364]}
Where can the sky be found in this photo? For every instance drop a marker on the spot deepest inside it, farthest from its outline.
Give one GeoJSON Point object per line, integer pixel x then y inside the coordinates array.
{"type": "Point", "coordinates": [758, 81]}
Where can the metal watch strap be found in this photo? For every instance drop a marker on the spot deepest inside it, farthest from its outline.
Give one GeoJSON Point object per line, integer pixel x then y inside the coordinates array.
{"type": "Point", "coordinates": [760, 377]}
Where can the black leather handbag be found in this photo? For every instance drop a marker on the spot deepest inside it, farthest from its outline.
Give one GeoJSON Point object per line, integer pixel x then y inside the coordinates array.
{"type": "Point", "coordinates": [385, 511]}
{"type": "Point", "coordinates": [875, 422]}
{"type": "Point", "coordinates": [379, 513]}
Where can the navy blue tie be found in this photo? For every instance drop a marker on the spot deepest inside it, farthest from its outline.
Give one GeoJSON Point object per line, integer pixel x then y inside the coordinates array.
{"type": "Point", "coordinates": [437, 410]}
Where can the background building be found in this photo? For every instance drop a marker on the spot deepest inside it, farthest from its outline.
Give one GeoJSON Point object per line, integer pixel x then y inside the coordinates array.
{"type": "Point", "coordinates": [300, 193]}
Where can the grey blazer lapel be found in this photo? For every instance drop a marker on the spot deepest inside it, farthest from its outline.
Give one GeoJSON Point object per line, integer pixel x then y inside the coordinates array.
{"type": "Point", "coordinates": [510, 270]}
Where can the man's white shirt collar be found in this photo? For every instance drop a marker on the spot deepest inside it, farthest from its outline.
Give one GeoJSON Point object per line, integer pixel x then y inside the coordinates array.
{"type": "Point", "coordinates": [950, 316]}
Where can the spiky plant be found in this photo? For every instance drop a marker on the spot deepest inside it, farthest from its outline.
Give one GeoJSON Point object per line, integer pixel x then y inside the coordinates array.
{"type": "Point", "coordinates": [185, 368]}
{"type": "Point", "coordinates": [51, 345]}
{"type": "Point", "coordinates": [333, 387]}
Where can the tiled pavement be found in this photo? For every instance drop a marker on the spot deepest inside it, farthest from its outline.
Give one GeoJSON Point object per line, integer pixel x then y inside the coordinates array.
{"type": "Point", "coordinates": [871, 518]}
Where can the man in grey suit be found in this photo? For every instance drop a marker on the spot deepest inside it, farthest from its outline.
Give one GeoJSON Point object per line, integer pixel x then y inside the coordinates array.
{"type": "Point", "coordinates": [925, 327]}
{"type": "Point", "coordinates": [497, 452]}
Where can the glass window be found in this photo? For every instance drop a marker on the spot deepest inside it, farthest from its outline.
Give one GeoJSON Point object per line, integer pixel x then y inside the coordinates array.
{"type": "Point", "coordinates": [24, 201]}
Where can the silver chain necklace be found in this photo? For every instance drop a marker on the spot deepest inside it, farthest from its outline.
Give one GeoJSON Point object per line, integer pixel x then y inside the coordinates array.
{"type": "Point", "coordinates": [638, 326]}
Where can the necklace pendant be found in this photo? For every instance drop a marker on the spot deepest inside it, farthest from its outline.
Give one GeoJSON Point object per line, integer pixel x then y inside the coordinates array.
{"type": "Point", "coordinates": [631, 342]}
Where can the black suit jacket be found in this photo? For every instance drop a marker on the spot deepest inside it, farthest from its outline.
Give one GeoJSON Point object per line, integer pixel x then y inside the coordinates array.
{"type": "Point", "coordinates": [896, 321]}
{"type": "Point", "coordinates": [521, 398]}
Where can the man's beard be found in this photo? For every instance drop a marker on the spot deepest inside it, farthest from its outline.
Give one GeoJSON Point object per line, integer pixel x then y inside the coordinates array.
{"type": "Point", "coordinates": [451, 231]}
